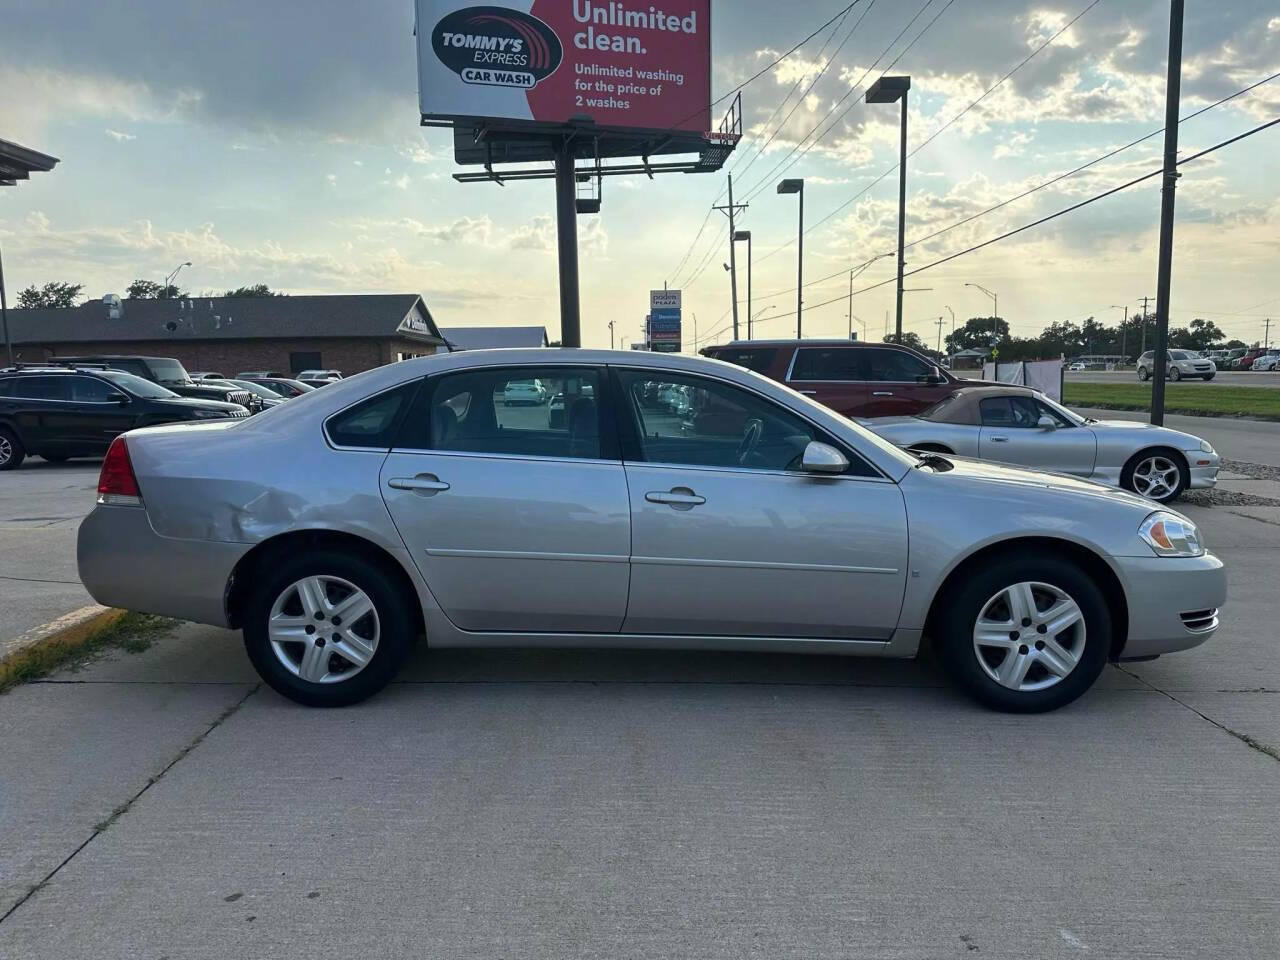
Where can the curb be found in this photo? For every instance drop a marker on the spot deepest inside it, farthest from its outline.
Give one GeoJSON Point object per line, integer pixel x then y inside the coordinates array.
{"type": "Point", "coordinates": [69, 631]}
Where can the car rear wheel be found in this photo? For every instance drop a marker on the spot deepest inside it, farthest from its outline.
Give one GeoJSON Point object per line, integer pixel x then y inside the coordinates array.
{"type": "Point", "coordinates": [12, 452]}
{"type": "Point", "coordinates": [328, 629]}
{"type": "Point", "coordinates": [1175, 374]}
{"type": "Point", "coordinates": [1025, 637]}
{"type": "Point", "coordinates": [1159, 475]}
{"type": "Point", "coordinates": [1143, 374]}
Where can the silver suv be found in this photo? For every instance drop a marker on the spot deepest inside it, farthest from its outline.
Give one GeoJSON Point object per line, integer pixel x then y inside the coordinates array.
{"type": "Point", "coordinates": [1182, 363]}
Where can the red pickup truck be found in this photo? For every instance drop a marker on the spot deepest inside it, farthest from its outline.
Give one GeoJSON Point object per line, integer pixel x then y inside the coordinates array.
{"type": "Point", "coordinates": [852, 378]}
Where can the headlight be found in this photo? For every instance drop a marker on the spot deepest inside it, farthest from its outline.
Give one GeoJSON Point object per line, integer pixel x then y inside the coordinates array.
{"type": "Point", "coordinates": [1170, 536]}
{"type": "Point", "coordinates": [1206, 446]}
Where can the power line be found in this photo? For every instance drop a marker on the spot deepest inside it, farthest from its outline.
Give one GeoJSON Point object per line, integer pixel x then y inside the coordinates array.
{"type": "Point", "coordinates": [944, 127]}
{"type": "Point", "coordinates": [1041, 186]}
{"type": "Point", "coordinates": [1042, 220]}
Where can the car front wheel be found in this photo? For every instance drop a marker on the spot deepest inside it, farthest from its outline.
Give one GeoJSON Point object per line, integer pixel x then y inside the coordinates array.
{"type": "Point", "coordinates": [1025, 637]}
{"type": "Point", "coordinates": [1159, 475]}
{"type": "Point", "coordinates": [1143, 374]}
{"type": "Point", "coordinates": [328, 629]}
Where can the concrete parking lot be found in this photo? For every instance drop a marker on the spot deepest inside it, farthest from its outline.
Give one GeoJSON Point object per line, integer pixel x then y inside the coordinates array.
{"type": "Point", "coordinates": [623, 804]}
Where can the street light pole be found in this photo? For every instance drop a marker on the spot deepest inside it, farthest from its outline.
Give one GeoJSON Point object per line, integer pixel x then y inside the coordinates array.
{"type": "Point", "coordinates": [746, 235]}
{"type": "Point", "coordinates": [995, 306]}
{"type": "Point", "coordinates": [1124, 332]}
{"type": "Point", "coordinates": [797, 186]}
{"type": "Point", "coordinates": [888, 90]}
{"type": "Point", "coordinates": [611, 323]}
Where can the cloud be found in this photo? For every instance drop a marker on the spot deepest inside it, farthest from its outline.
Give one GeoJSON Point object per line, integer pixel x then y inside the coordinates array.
{"type": "Point", "coordinates": [332, 178]}
{"type": "Point", "coordinates": [119, 137]}
{"type": "Point", "coordinates": [540, 235]}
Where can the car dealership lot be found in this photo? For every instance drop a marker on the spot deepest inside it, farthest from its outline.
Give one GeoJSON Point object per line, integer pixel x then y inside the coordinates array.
{"type": "Point", "coordinates": [1223, 378]}
{"type": "Point", "coordinates": [611, 803]}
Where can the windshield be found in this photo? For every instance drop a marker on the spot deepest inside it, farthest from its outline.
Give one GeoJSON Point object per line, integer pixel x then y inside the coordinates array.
{"type": "Point", "coordinates": [169, 371]}
{"type": "Point", "coordinates": [257, 389]}
{"type": "Point", "coordinates": [143, 389]}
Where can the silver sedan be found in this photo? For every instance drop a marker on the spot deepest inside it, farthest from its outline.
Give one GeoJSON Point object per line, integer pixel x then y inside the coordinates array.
{"type": "Point", "coordinates": [1021, 426]}
{"type": "Point", "coordinates": [410, 501]}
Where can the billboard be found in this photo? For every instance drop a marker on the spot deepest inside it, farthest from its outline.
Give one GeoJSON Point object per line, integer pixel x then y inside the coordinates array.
{"type": "Point", "coordinates": [663, 329]}
{"type": "Point", "coordinates": [624, 64]}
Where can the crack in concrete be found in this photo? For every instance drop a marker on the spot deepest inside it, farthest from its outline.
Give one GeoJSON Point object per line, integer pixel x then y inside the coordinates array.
{"type": "Point", "coordinates": [1265, 749]}
{"type": "Point", "coordinates": [70, 583]}
{"type": "Point", "coordinates": [121, 810]}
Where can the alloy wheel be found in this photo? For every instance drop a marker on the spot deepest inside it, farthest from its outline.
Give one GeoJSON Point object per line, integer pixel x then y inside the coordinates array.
{"type": "Point", "coordinates": [323, 629]}
{"type": "Point", "coordinates": [1029, 636]}
{"type": "Point", "coordinates": [1156, 478]}
{"type": "Point", "coordinates": [6, 450]}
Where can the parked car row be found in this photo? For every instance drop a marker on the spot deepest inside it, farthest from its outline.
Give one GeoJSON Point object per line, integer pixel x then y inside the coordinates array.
{"type": "Point", "coordinates": [68, 407]}
{"type": "Point", "coordinates": [1242, 358]}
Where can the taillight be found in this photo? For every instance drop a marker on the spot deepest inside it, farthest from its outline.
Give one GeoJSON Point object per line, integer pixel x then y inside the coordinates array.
{"type": "Point", "coordinates": [117, 484]}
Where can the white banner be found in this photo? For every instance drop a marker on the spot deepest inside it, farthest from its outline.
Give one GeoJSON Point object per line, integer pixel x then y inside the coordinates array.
{"type": "Point", "coordinates": [1042, 375]}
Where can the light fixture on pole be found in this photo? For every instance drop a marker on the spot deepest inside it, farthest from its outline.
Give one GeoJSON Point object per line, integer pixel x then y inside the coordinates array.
{"type": "Point", "coordinates": [746, 235]}
{"type": "Point", "coordinates": [797, 186]}
{"type": "Point", "coordinates": [168, 281]}
{"type": "Point", "coordinates": [995, 306]}
{"type": "Point", "coordinates": [890, 90]}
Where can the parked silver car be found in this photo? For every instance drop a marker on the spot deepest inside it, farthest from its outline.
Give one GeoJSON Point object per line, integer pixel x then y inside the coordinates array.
{"type": "Point", "coordinates": [1182, 364]}
{"type": "Point", "coordinates": [1024, 427]}
{"type": "Point", "coordinates": [410, 500]}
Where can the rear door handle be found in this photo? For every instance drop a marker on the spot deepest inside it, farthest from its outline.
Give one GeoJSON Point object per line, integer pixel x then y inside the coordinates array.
{"type": "Point", "coordinates": [883, 393]}
{"type": "Point", "coordinates": [678, 497]}
{"type": "Point", "coordinates": [423, 483]}
{"type": "Point", "coordinates": [999, 439]}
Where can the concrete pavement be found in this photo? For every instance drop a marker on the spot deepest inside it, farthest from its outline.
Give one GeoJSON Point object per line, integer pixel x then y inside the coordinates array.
{"type": "Point", "coordinates": [41, 506]}
{"type": "Point", "coordinates": [589, 804]}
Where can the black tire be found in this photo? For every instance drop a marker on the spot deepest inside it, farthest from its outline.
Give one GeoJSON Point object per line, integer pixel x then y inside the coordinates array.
{"type": "Point", "coordinates": [1143, 374]}
{"type": "Point", "coordinates": [394, 615]}
{"type": "Point", "coordinates": [1175, 374]}
{"type": "Point", "coordinates": [958, 614]}
{"type": "Point", "coordinates": [12, 452]}
{"type": "Point", "coordinates": [1184, 472]}
{"type": "Point", "coordinates": [1209, 376]}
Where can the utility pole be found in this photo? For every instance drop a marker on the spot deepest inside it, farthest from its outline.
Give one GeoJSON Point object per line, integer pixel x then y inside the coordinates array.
{"type": "Point", "coordinates": [611, 323]}
{"type": "Point", "coordinates": [1266, 342]}
{"type": "Point", "coordinates": [731, 210]}
{"type": "Point", "coordinates": [850, 304]}
{"type": "Point", "coordinates": [4, 315]}
{"type": "Point", "coordinates": [1164, 276]}
{"type": "Point", "coordinates": [1145, 301]}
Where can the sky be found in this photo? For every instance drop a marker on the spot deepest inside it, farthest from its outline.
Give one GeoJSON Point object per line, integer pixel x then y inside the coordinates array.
{"type": "Point", "coordinates": [279, 143]}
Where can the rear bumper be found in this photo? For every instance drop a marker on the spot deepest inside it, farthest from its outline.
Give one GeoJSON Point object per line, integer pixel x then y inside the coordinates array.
{"type": "Point", "coordinates": [124, 563]}
{"type": "Point", "coordinates": [1170, 601]}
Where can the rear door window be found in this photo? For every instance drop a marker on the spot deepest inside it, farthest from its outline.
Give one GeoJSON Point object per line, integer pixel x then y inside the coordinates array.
{"type": "Point", "coordinates": [40, 388]}
{"type": "Point", "coordinates": [90, 390]}
{"type": "Point", "coordinates": [830, 365]}
{"type": "Point", "coordinates": [373, 423]}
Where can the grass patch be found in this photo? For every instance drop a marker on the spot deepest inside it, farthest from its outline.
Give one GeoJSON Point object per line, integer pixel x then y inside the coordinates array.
{"type": "Point", "coordinates": [133, 633]}
{"type": "Point", "coordinates": [1197, 399]}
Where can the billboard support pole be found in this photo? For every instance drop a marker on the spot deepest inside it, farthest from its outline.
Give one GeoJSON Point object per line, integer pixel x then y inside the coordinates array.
{"type": "Point", "coordinates": [567, 235]}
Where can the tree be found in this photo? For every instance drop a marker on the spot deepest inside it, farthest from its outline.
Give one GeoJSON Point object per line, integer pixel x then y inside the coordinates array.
{"type": "Point", "coordinates": [909, 339]}
{"type": "Point", "coordinates": [51, 295]}
{"type": "Point", "coordinates": [257, 290]}
{"type": "Point", "coordinates": [977, 333]}
{"type": "Point", "coordinates": [150, 290]}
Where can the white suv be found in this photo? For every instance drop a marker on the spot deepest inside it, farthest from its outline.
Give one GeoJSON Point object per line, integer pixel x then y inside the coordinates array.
{"type": "Point", "coordinates": [1182, 363]}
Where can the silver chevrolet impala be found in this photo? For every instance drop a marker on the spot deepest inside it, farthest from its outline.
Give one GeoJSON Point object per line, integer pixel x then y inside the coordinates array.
{"type": "Point", "coordinates": [1024, 427]}
{"type": "Point", "coordinates": [411, 501]}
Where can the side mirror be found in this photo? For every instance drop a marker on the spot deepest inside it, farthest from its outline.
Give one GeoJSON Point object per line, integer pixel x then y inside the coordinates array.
{"type": "Point", "coordinates": [823, 458]}
{"type": "Point", "coordinates": [934, 377]}
{"type": "Point", "coordinates": [1047, 422]}
{"type": "Point", "coordinates": [118, 398]}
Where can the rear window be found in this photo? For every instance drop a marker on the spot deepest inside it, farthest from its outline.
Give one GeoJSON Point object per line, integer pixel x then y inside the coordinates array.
{"type": "Point", "coordinates": [40, 388]}
{"type": "Point", "coordinates": [758, 359]}
{"type": "Point", "coordinates": [935, 412]}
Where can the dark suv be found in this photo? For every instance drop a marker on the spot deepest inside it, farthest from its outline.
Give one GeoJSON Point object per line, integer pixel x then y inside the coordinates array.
{"type": "Point", "coordinates": [167, 372]}
{"type": "Point", "coordinates": [852, 378]}
{"type": "Point", "coordinates": [58, 413]}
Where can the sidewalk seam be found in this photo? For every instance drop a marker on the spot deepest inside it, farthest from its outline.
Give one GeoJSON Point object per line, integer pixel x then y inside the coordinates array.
{"type": "Point", "coordinates": [1263, 748]}
{"type": "Point", "coordinates": [124, 808]}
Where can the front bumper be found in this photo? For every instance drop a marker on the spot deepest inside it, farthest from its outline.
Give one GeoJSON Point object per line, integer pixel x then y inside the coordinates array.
{"type": "Point", "coordinates": [1203, 468]}
{"type": "Point", "coordinates": [1160, 592]}
{"type": "Point", "coordinates": [124, 563]}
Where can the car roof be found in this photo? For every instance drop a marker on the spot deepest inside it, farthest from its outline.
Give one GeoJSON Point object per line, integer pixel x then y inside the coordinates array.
{"type": "Point", "coordinates": [832, 342]}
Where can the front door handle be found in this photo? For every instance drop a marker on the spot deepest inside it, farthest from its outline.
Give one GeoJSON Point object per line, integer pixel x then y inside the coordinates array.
{"type": "Point", "coordinates": [883, 393]}
{"type": "Point", "coordinates": [682, 498]}
{"type": "Point", "coordinates": [422, 483]}
{"type": "Point", "coordinates": [810, 393]}
{"type": "Point", "coordinates": [999, 439]}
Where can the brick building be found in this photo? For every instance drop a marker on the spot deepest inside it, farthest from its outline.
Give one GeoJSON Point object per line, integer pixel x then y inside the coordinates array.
{"type": "Point", "coordinates": [229, 335]}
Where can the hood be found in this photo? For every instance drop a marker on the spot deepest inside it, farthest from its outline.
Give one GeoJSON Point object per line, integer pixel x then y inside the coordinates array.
{"type": "Point", "coordinates": [1152, 433]}
{"type": "Point", "coordinates": [986, 472]}
{"type": "Point", "coordinates": [198, 403]}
